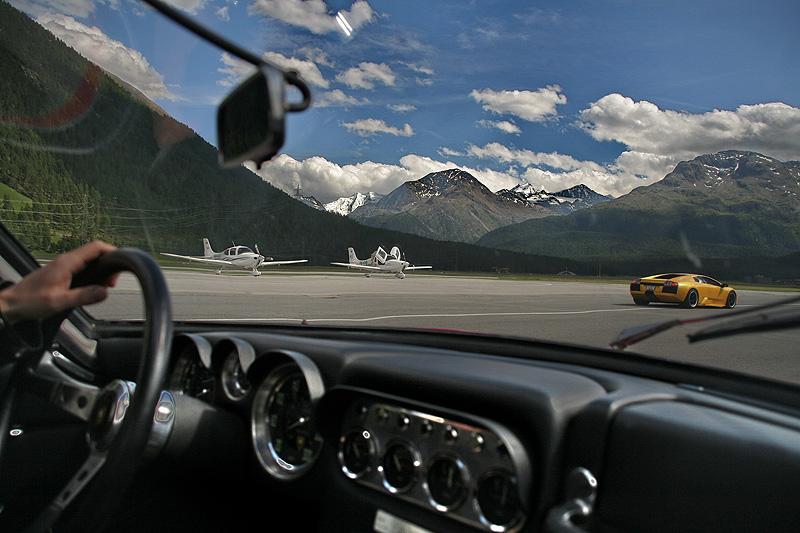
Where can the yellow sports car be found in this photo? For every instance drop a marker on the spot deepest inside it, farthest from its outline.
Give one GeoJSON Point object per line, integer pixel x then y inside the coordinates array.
{"type": "Point", "coordinates": [688, 290]}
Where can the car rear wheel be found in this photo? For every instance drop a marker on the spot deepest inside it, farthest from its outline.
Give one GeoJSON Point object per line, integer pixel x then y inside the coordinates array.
{"type": "Point", "coordinates": [641, 302]}
{"type": "Point", "coordinates": [730, 303]}
{"type": "Point", "coordinates": [692, 299]}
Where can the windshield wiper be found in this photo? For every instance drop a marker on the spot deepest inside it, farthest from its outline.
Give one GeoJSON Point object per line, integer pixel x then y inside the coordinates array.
{"type": "Point", "coordinates": [761, 322]}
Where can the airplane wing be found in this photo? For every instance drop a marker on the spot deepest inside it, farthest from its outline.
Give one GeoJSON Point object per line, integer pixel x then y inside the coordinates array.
{"type": "Point", "coordinates": [198, 259]}
{"type": "Point", "coordinates": [268, 263]}
{"type": "Point", "coordinates": [417, 268]}
{"type": "Point", "coordinates": [362, 267]}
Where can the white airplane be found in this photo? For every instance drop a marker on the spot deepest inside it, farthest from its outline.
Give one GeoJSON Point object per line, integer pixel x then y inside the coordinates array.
{"type": "Point", "coordinates": [380, 261]}
{"type": "Point", "coordinates": [235, 257]}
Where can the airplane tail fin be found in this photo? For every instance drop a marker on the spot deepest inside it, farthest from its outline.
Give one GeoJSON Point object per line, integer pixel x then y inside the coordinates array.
{"type": "Point", "coordinates": [352, 256]}
{"type": "Point", "coordinates": [207, 250]}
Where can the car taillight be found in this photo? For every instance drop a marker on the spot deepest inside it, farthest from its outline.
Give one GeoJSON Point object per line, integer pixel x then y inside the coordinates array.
{"type": "Point", "coordinates": [636, 285]}
{"type": "Point", "coordinates": [670, 286]}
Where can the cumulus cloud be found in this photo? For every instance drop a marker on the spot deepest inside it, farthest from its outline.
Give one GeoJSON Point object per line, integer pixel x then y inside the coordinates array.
{"type": "Point", "coordinates": [366, 74]}
{"type": "Point", "coordinates": [338, 98]}
{"type": "Point", "coordinates": [317, 55]}
{"type": "Point", "coordinates": [533, 106]}
{"type": "Point", "coordinates": [113, 56]}
{"type": "Point", "coordinates": [771, 128]}
{"type": "Point", "coordinates": [372, 126]}
{"type": "Point", "coordinates": [234, 70]}
{"type": "Point", "coordinates": [550, 171]}
{"type": "Point", "coordinates": [308, 70]}
{"type": "Point", "coordinates": [314, 15]}
{"type": "Point", "coordinates": [503, 125]}
{"type": "Point", "coordinates": [327, 181]}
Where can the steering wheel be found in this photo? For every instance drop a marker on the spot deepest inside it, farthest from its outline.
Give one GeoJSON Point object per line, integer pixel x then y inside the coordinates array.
{"type": "Point", "coordinates": [119, 422]}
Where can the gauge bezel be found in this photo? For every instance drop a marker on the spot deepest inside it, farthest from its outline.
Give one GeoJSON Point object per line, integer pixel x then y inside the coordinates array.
{"type": "Point", "coordinates": [369, 438]}
{"type": "Point", "coordinates": [465, 482]}
{"type": "Point", "coordinates": [231, 380]}
{"type": "Point", "coordinates": [480, 511]}
{"type": "Point", "coordinates": [269, 458]}
{"type": "Point", "coordinates": [416, 465]}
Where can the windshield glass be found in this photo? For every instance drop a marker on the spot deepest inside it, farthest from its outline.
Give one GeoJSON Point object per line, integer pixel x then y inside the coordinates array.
{"type": "Point", "coordinates": [548, 170]}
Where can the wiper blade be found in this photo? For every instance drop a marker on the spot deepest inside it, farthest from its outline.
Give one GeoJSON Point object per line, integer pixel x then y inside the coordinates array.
{"type": "Point", "coordinates": [763, 322]}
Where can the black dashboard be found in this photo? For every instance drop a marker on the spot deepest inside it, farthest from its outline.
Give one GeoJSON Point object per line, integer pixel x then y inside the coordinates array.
{"type": "Point", "coordinates": [389, 434]}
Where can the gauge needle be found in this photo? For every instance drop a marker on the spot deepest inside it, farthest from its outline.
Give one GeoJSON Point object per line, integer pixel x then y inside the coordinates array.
{"type": "Point", "coordinates": [300, 422]}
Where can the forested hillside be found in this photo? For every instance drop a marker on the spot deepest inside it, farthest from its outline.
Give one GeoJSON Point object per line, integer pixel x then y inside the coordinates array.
{"type": "Point", "coordinates": [95, 160]}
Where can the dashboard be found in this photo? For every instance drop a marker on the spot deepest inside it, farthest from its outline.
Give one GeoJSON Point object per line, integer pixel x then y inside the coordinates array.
{"type": "Point", "coordinates": [414, 436]}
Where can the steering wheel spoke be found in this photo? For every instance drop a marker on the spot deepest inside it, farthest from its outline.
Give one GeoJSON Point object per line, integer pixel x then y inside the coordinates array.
{"type": "Point", "coordinates": [73, 397]}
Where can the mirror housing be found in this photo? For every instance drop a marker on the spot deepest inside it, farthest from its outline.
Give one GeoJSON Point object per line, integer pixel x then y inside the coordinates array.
{"type": "Point", "coordinates": [251, 121]}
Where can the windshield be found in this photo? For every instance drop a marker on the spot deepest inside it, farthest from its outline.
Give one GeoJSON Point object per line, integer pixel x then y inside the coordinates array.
{"type": "Point", "coordinates": [548, 170]}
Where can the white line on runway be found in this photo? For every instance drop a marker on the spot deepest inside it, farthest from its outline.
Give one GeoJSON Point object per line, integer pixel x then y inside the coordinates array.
{"type": "Point", "coordinates": [439, 315]}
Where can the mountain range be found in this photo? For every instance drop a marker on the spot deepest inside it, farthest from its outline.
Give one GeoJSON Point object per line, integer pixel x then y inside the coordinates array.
{"type": "Point", "coordinates": [452, 205]}
{"type": "Point", "coordinates": [729, 204]}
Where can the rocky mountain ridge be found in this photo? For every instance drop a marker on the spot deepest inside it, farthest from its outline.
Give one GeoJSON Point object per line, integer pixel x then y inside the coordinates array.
{"type": "Point", "coordinates": [728, 204]}
{"type": "Point", "coordinates": [453, 205]}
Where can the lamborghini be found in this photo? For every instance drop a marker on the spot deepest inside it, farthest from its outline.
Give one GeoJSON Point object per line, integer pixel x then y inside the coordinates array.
{"type": "Point", "coordinates": [688, 290]}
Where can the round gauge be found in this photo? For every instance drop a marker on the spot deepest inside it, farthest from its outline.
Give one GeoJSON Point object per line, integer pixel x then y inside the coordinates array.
{"type": "Point", "coordinates": [234, 378]}
{"type": "Point", "coordinates": [497, 500]}
{"type": "Point", "coordinates": [399, 467]}
{"type": "Point", "coordinates": [356, 450]}
{"type": "Point", "coordinates": [446, 483]}
{"type": "Point", "coordinates": [192, 378]}
{"type": "Point", "coordinates": [284, 432]}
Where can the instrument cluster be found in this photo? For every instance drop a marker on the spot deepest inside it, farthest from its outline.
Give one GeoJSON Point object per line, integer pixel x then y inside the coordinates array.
{"type": "Point", "coordinates": [467, 468]}
{"type": "Point", "coordinates": [470, 471]}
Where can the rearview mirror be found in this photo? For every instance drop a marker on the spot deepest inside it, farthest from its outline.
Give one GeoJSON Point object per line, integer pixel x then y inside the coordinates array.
{"type": "Point", "coordinates": [251, 120]}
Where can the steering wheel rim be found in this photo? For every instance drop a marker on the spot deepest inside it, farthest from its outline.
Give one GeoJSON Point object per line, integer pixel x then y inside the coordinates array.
{"type": "Point", "coordinates": [122, 456]}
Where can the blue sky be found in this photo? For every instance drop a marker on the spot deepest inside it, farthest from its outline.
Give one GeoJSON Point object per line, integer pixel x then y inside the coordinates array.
{"type": "Point", "coordinates": [553, 93]}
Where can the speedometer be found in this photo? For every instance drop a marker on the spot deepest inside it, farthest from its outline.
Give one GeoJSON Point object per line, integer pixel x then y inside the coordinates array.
{"type": "Point", "coordinates": [285, 435]}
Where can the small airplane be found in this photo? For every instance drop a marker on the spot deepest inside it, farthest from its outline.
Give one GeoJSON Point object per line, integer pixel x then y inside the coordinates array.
{"type": "Point", "coordinates": [235, 257]}
{"type": "Point", "coordinates": [380, 261]}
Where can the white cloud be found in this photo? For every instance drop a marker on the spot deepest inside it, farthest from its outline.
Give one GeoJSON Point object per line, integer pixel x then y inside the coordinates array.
{"type": "Point", "coordinates": [534, 106]}
{"type": "Point", "coordinates": [113, 56]}
{"type": "Point", "coordinates": [371, 126]}
{"type": "Point", "coordinates": [235, 70]}
{"type": "Point", "coordinates": [504, 125]}
{"type": "Point", "coordinates": [317, 55]}
{"type": "Point", "coordinates": [223, 14]}
{"type": "Point", "coordinates": [328, 181]}
{"type": "Point", "coordinates": [364, 76]}
{"type": "Point", "coordinates": [554, 172]}
{"type": "Point", "coordinates": [314, 15]}
{"type": "Point", "coordinates": [307, 69]}
{"type": "Point", "coordinates": [771, 128]}
{"type": "Point", "coordinates": [401, 108]}
{"type": "Point", "coordinates": [337, 98]}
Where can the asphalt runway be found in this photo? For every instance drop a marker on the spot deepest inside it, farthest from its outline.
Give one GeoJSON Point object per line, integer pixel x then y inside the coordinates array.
{"type": "Point", "coordinates": [561, 311]}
